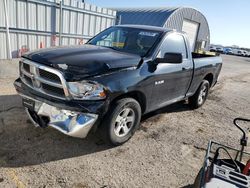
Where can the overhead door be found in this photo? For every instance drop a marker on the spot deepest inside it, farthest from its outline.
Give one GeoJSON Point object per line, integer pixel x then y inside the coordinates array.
{"type": "Point", "coordinates": [191, 28]}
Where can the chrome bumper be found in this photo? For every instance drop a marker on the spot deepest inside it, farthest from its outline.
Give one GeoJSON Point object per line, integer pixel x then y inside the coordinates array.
{"type": "Point", "coordinates": [71, 123]}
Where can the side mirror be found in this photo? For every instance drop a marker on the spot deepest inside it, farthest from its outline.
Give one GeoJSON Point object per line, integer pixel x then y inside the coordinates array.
{"type": "Point", "coordinates": [174, 58]}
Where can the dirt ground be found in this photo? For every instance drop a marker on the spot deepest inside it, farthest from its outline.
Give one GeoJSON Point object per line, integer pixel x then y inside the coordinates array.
{"type": "Point", "coordinates": [167, 151]}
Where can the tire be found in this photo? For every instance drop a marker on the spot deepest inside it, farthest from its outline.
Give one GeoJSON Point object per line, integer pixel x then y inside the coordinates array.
{"type": "Point", "coordinates": [121, 121]}
{"type": "Point", "coordinates": [197, 183]}
{"type": "Point", "coordinates": [200, 96]}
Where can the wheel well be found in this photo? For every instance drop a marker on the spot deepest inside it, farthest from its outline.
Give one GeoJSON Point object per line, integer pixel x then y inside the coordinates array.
{"type": "Point", "coordinates": [209, 77]}
{"type": "Point", "coordinates": [137, 95]}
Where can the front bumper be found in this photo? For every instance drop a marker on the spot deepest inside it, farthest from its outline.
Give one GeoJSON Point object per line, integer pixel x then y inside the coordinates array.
{"type": "Point", "coordinates": [75, 124]}
{"type": "Point", "coordinates": [73, 118]}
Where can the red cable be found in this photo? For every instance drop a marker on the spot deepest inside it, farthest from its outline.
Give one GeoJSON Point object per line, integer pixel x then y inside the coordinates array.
{"type": "Point", "coordinates": [247, 167]}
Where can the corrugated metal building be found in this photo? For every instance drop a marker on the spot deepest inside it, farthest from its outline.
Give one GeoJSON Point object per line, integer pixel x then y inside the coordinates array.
{"type": "Point", "coordinates": [184, 19]}
{"type": "Point", "coordinates": [36, 24]}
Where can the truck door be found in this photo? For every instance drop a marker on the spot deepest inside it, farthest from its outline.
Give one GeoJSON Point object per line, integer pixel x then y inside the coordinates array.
{"type": "Point", "coordinates": [171, 81]}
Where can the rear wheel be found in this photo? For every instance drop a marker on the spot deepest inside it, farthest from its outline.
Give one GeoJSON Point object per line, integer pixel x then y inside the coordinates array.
{"type": "Point", "coordinates": [200, 96]}
{"type": "Point", "coordinates": [121, 121]}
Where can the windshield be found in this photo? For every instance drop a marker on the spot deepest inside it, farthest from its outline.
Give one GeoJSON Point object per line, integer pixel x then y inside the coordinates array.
{"type": "Point", "coordinates": [124, 39]}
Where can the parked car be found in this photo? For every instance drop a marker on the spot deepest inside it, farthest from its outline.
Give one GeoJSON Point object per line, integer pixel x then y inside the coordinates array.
{"type": "Point", "coordinates": [109, 83]}
{"type": "Point", "coordinates": [245, 53]}
{"type": "Point", "coordinates": [220, 50]}
{"type": "Point", "coordinates": [212, 49]}
{"type": "Point", "coordinates": [217, 49]}
{"type": "Point", "coordinates": [228, 51]}
{"type": "Point", "coordinates": [238, 52]}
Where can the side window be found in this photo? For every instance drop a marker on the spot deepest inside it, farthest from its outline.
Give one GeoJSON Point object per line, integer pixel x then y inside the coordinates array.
{"type": "Point", "coordinates": [173, 43]}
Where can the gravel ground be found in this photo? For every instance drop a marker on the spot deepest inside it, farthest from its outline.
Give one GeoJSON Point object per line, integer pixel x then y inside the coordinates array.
{"type": "Point", "coordinates": [167, 151]}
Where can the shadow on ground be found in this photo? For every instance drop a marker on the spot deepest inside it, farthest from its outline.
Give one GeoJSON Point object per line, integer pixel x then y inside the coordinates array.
{"type": "Point", "coordinates": [177, 107]}
{"type": "Point", "coordinates": [21, 144]}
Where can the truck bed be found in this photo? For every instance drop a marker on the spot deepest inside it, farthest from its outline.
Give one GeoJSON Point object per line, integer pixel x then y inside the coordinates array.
{"type": "Point", "coordinates": [204, 65]}
{"type": "Point", "coordinates": [202, 55]}
{"type": "Point", "coordinates": [205, 59]}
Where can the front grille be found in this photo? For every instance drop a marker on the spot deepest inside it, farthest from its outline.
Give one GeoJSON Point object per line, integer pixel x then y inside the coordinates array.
{"type": "Point", "coordinates": [43, 79]}
{"type": "Point", "coordinates": [28, 79]}
{"type": "Point", "coordinates": [53, 90]}
{"type": "Point", "coordinates": [48, 75]}
{"type": "Point", "coordinates": [26, 67]}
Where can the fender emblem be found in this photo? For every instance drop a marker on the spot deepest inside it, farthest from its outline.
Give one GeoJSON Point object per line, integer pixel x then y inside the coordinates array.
{"type": "Point", "coordinates": [159, 82]}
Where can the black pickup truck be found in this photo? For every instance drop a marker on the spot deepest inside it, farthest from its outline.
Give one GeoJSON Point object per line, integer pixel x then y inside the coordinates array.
{"type": "Point", "coordinates": [110, 82]}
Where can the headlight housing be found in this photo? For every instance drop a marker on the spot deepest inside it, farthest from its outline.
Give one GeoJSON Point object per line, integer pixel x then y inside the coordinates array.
{"type": "Point", "coordinates": [86, 90]}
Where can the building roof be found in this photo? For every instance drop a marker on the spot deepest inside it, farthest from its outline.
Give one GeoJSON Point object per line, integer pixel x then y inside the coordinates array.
{"type": "Point", "coordinates": [169, 17]}
{"type": "Point", "coordinates": [145, 16]}
{"type": "Point", "coordinates": [146, 27]}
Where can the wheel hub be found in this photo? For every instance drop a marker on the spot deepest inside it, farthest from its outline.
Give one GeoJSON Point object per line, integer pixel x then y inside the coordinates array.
{"type": "Point", "coordinates": [124, 122]}
{"type": "Point", "coordinates": [202, 95]}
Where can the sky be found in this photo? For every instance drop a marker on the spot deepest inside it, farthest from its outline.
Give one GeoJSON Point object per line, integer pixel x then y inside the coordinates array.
{"type": "Point", "coordinates": [229, 20]}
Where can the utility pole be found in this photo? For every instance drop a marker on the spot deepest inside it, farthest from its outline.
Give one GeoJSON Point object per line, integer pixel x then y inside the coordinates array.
{"type": "Point", "coordinates": [60, 24]}
{"type": "Point", "coordinates": [7, 30]}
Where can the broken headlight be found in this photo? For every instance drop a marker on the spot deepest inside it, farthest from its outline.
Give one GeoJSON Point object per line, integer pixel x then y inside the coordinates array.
{"type": "Point", "coordinates": [86, 90]}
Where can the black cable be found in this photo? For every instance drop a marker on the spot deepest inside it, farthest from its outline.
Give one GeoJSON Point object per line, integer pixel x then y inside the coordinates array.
{"type": "Point", "coordinates": [243, 140]}
{"type": "Point", "coordinates": [241, 119]}
{"type": "Point", "coordinates": [217, 154]}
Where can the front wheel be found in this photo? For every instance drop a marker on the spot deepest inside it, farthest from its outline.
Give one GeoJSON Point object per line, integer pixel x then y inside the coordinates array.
{"type": "Point", "coordinates": [121, 121]}
{"type": "Point", "coordinates": [200, 96]}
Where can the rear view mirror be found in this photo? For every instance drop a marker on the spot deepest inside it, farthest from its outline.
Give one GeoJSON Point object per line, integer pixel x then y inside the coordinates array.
{"type": "Point", "coordinates": [174, 58]}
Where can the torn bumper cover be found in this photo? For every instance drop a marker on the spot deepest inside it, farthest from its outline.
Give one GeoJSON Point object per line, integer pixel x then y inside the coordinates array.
{"type": "Point", "coordinates": [75, 124]}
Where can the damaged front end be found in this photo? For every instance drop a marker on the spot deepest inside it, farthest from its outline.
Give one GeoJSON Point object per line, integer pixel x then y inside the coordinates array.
{"type": "Point", "coordinates": [75, 124]}
{"type": "Point", "coordinates": [72, 108]}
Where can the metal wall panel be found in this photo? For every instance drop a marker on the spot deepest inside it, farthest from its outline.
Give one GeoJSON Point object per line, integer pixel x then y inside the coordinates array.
{"type": "Point", "coordinates": [41, 42]}
{"type": "Point", "coordinates": [35, 23]}
{"type": "Point", "coordinates": [79, 29]}
{"type": "Point", "coordinates": [73, 22]}
{"type": "Point", "coordinates": [22, 40]}
{"type": "Point", "coordinates": [32, 41]}
{"type": "Point", "coordinates": [32, 16]}
{"type": "Point", "coordinates": [3, 47]}
{"type": "Point", "coordinates": [57, 19]}
{"type": "Point", "coordinates": [98, 24]}
{"type": "Point", "coordinates": [13, 43]}
{"type": "Point", "coordinates": [41, 18]}
{"type": "Point", "coordinates": [65, 41]}
{"type": "Point", "coordinates": [86, 24]}
{"type": "Point", "coordinates": [66, 2]}
{"type": "Point", "coordinates": [21, 14]}
{"type": "Point", "coordinates": [49, 19]}
{"type": "Point", "coordinates": [2, 14]}
{"type": "Point", "coordinates": [66, 23]}
{"type": "Point", "coordinates": [72, 41]}
{"type": "Point", "coordinates": [11, 6]}
{"type": "Point", "coordinates": [109, 22]}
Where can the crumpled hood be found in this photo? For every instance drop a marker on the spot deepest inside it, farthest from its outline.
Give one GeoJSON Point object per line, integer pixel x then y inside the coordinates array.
{"type": "Point", "coordinates": [78, 62]}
